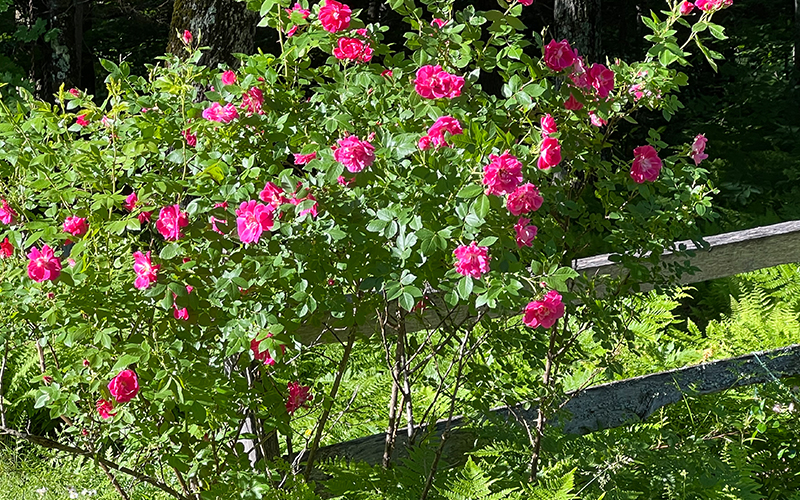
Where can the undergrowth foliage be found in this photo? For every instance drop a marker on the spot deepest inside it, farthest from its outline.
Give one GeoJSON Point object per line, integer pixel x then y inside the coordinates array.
{"type": "Point", "coordinates": [178, 251]}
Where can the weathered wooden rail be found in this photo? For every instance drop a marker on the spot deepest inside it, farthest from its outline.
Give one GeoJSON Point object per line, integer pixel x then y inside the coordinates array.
{"type": "Point", "coordinates": [727, 254]}
{"type": "Point", "coordinates": [626, 401]}
{"type": "Point", "coordinates": [605, 406]}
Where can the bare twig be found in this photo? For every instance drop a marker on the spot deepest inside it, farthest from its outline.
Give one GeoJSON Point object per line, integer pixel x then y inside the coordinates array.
{"type": "Point", "coordinates": [540, 411]}
{"type": "Point", "coordinates": [326, 412]}
{"type": "Point", "coordinates": [446, 433]}
{"type": "Point", "coordinates": [114, 481]}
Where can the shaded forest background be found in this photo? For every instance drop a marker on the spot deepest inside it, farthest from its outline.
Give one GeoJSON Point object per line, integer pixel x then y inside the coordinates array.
{"type": "Point", "coordinates": [749, 109]}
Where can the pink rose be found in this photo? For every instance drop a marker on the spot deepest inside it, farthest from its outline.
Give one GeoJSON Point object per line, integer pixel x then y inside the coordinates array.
{"type": "Point", "coordinates": [353, 49]}
{"type": "Point", "coordinates": [686, 8]}
{"type": "Point", "coordinates": [424, 143]}
{"type": "Point", "coordinates": [124, 386]}
{"type": "Point", "coordinates": [81, 120]}
{"type": "Point", "coordinates": [548, 124]}
{"type": "Point", "coordinates": [191, 139]}
{"type": "Point", "coordinates": [596, 120]}
{"type": "Point", "coordinates": [525, 232]}
{"type": "Point", "coordinates": [43, 265]}
{"type": "Point", "coordinates": [433, 83]}
{"type": "Point", "coordinates": [182, 313]}
{"type": "Point", "coordinates": [187, 37]}
{"type": "Point", "coordinates": [76, 226]}
{"type": "Point", "coordinates": [291, 31]}
{"type": "Point", "coordinates": [299, 396]}
{"type": "Point", "coordinates": [558, 56]}
{"type": "Point", "coordinates": [130, 202]}
{"type": "Point", "coordinates": [387, 73]}
{"type": "Point", "coordinates": [472, 260]}
{"type": "Point", "coordinates": [7, 213]}
{"type": "Point", "coordinates": [304, 159]}
{"type": "Point", "coordinates": [544, 312]}
{"type": "Point", "coordinates": [252, 100]}
{"type": "Point", "coordinates": [698, 149]}
{"type": "Point", "coordinates": [602, 79]}
{"type": "Point", "coordinates": [526, 3]}
{"type": "Point", "coordinates": [646, 164]}
{"type": "Point", "coordinates": [354, 154]}
{"type": "Point", "coordinates": [75, 92]}
{"type": "Point", "coordinates": [503, 174]}
{"type": "Point", "coordinates": [273, 195]}
{"type": "Point", "coordinates": [344, 181]}
{"type": "Point", "coordinates": [524, 199]}
{"type": "Point", "coordinates": [170, 221]}
{"type": "Point", "coordinates": [711, 5]}
{"type": "Point", "coordinates": [438, 23]}
{"type": "Point", "coordinates": [6, 249]}
{"type": "Point", "coordinates": [228, 77]}
{"type": "Point", "coordinates": [580, 74]}
{"type": "Point", "coordinates": [443, 124]}
{"type": "Point", "coordinates": [221, 114]}
{"type": "Point", "coordinates": [549, 153]}
{"type": "Point", "coordinates": [334, 16]}
{"type": "Point", "coordinates": [252, 218]}
{"type": "Point", "coordinates": [146, 271]}
{"type": "Point", "coordinates": [145, 217]}
{"type": "Point", "coordinates": [264, 356]}
{"type": "Point", "coordinates": [303, 13]}
{"type": "Point", "coordinates": [104, 408]}
{"type": "Point", "coordinates": [296, 201]}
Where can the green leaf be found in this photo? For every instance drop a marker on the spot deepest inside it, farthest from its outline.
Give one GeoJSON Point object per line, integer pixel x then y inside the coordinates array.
{"type": "Point", "coordinates": [169, 251]}
{"type": "Point", "coordinates": [406, 301]}
{"type": "Point", "coordinates": [376, 226]}
{"type": "Point", "coordinates": [464, 287]}
{"type": "Point", "coordinates": [488, 241]}
{"type": "Point", "coordinates": [482, 206]}
{"type": "Point", "coordinates": [470, 191]}
{"type": "Point", "coordinates": [124, 361]}
{"type": "Point", "coordinates": [717, 31]}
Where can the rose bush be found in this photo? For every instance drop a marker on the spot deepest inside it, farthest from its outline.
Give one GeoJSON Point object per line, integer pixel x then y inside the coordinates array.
{"type": "Point", "coordinates": [196, 321]}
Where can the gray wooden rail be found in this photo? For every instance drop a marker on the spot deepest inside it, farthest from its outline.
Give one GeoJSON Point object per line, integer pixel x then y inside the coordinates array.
{"type": "Point", "coordinates": [626, 401]}
{"type": "Point", "coordinates": [727, 254]}
{"type": "Point", "coordinates": [605, 406]}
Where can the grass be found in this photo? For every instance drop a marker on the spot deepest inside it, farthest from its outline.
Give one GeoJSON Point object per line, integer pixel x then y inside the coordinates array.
{"type": "Point", "coordinates": [36, 474]}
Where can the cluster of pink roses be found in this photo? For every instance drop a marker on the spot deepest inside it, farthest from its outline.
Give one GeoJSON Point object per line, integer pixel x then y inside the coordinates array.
{"type": "Point", "coordinates": [146, 271]}
{"type": "Point", "coordinates": [124, 387]}
{"type": "Point", "coordinates": [435, 136]}
{"type": "Point", "coordinates": [549, 149]}
{"type": "Point", "coordinates": [686, 7]}
{"type": "Point", "coordinates": [433, 82]}
{"type": "Point", "coordinates": [558, 56]}
{"type": "Point", "coordinates": [504, 176]}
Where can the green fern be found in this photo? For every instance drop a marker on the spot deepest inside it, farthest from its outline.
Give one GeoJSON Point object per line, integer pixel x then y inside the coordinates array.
{"type": "Point", "coordinates": [474, 484]}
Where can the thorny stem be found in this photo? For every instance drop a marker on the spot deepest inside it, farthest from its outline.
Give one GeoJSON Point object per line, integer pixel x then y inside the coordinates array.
{"type": "Point", "coordinates": [326, 412]}
{"type": "Point", "coordinates": [540, 416]}
{"type": "Point", "coordinates": [391, 430]}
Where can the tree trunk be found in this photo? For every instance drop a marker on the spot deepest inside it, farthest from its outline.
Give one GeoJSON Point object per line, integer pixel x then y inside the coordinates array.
{"type": "Point", "coordinates": [797, 38]}
{"type": "Point", "coordinates": [60, 58]}
{"type": "Point", "coordinates": [224, 25]}
{"type": "Point", "coordinates": [579, 22]}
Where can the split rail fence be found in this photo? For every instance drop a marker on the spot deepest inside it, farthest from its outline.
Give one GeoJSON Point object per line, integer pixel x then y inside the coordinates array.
{"type": "Point", "coordinates": [627, 401]}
